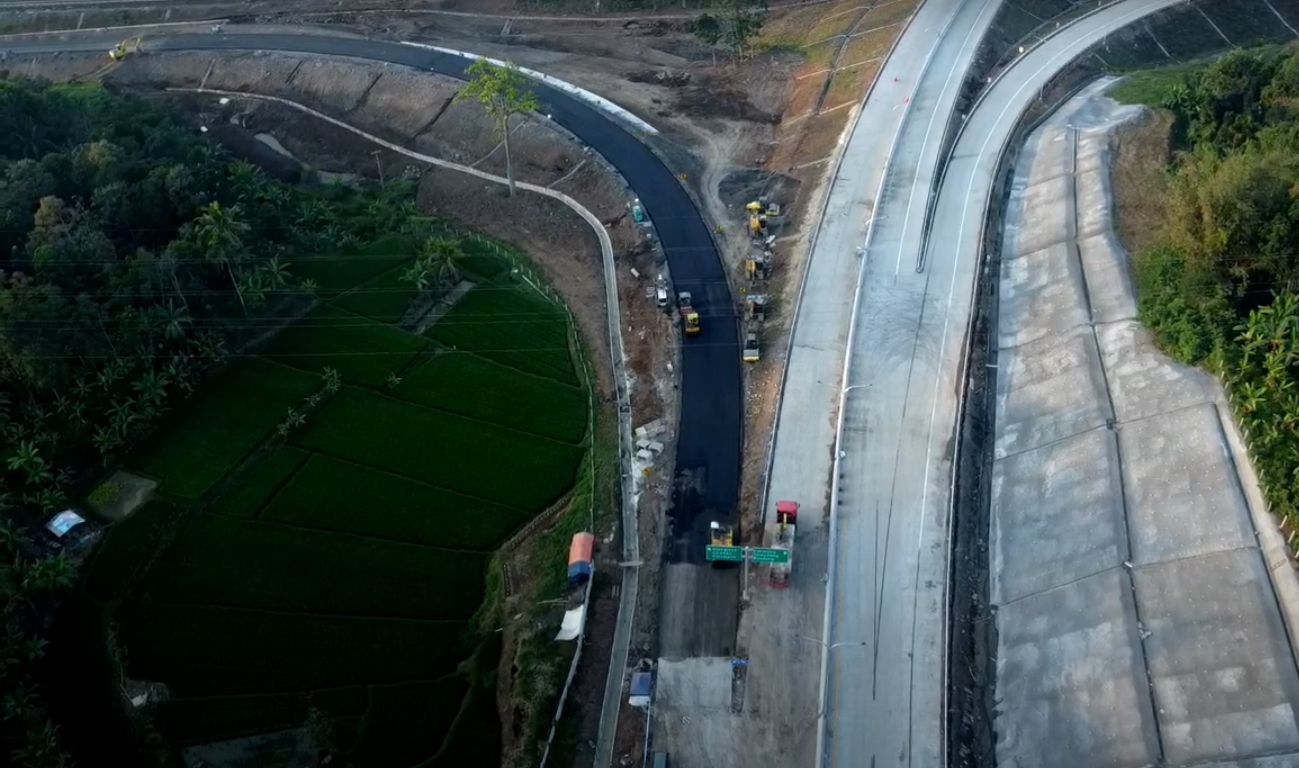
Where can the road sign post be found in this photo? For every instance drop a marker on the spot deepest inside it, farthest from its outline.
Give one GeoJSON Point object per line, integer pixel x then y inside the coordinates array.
{"type": "Point", "coordinates": [727, 554]}
{"type": "Point", "coordinates": [765, 556]}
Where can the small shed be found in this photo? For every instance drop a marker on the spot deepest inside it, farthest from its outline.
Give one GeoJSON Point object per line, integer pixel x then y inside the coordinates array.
{"type": "Point", "coordinates": [581, 562]}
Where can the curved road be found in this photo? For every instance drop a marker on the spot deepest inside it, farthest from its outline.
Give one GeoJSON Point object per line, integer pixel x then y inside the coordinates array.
{"type": "Point", "coordinates": [903, 382]}
{"type": "Point", "coordinates": [709, 438]}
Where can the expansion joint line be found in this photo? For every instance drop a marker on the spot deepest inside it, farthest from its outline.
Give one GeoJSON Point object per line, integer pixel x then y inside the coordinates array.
{"type": "Point", "coordinates": [1075, 250]}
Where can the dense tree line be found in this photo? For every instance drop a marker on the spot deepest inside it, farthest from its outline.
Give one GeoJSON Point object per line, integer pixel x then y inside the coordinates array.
{"type": "Point", "coordinates": [1222, 287]}
{"type": "Point", "coordinates": [134, 256]}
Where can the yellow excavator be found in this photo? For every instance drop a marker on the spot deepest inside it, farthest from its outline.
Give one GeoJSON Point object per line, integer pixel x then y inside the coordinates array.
{"type": "Point", "coordinates": [124, 48]}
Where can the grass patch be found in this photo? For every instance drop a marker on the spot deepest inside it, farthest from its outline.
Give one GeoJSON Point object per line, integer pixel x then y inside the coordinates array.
{"type": "Point", "coordinates": [249, 651]}
{"type": "Point", "coordinates": [125, 548]}
{"type": "Point", "coordinates": [251, 564]}
{"type": "Point", "coordinates": [473, 457]}
{"type": "Point", "coordinates": [476, 387]}
{"type": "Point", "coordinates": [1151, 86]}
{"type": "Point", "coordinates": [476, 733]}
{"type": "Point", "coordinates": [511, 326]}
{"type": "Point", "coordinates": [246, 499]}
{"type": "Point", "coordinates": [407, 722]}
{"type": "Point", "coordinates": [341, 496]}
{"type": "Point", "coordinates": [198, 721]}
{"type": "Point", "coordinates": [363, 351]}
{"type": "Point", "coordinates": [383, 298]}
{"type": "Point", "coordinates": [335, 273]}
{"type": "Point", "coordinates": [339, 702]}
{"type": "Point", "coordinates": [223, 423]}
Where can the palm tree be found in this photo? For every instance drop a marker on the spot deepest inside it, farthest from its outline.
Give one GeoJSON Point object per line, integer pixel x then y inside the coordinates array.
{"type": "Point", "coordinates": [174, 320]}
{"type": "Point", "coordinates": [219, 232]}
{"type": "Point", "coordinates": [27, 458]}
{"type": "Point", "coordinates": [276, 273]}
{"type": "Point", "coordinates": [152, 387]}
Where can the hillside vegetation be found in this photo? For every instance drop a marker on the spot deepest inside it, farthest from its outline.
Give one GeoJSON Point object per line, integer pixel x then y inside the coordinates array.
{"type": "Point", "coordinates": [1220, 286]}
{"type": "Point", "coordinates": [346, 408]}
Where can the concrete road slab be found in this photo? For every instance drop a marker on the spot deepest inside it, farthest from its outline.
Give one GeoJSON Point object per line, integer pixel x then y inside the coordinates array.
{"type": "Point", "coordinates": [1070, 661]}
{"type": "Point", "coordinates": [1143, 381]}
{"type": "Point", "coordinates": [1274, 761]}
{"type": "Point", "coordinates": [1105, 265]}
{"type": "Point", "coordinates": [1056, 515]}
{"type": "Point", "coordinates": [1048, 390]}
{"type": "Point", "coordinates": [1182, 492]}
{"type": "Point", "coordinates": [1041, 295]}
{"type": "Point", "coordinates": [1225, 683]}
{"type": "Point", "coordinates": [1047, 199]}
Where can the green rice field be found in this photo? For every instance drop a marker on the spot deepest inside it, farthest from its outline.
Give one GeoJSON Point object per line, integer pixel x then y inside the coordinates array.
{"type": "Point", "coordinates": [334, 570]}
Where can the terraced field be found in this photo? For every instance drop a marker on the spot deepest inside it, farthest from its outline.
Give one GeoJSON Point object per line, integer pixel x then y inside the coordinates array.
{"type": "Point", "coordinates": [334, 567]}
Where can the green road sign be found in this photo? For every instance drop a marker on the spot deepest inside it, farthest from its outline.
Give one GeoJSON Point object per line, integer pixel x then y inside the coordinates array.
{"type": "Point", "coordinates": [770, 556]}
{"type": "Point", "coordinates": [733, 554]}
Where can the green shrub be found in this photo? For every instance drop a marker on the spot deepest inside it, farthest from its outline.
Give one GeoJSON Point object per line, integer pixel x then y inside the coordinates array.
{"type": "Point", "coordinates": [261, 482]}
{"type": "Point", "coordinates": [479, 388]}
{"type": "Point", "coordinates": [512, 326]}
{"type": "Point", "coordinates": [252, 564]}
{"type": "Point", "coordinates": [246, 651]}
{"type": "Point", "coordinates": [228, 417]}
{"type": "Point", "coordinates": [472, 457]}
{"type": "Point", "coordinates": [337, 495]}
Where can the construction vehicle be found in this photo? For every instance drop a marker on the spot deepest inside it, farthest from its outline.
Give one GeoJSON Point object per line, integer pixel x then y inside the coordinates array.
{"type": "Point", "coordinates": [124, 48]}
{"type": "Point", "coordinates": [757, 219]}
{"type": "Point", "coordinates": [758, 265]}
{"type": "Point", "coordinates": [786, 527]}
{"type": "Point", "coordinates": [752, 353]}
{"type": "Point", "coordinates": [755, 305]}
{"type": "Point", "coordinates": [689, 317]}
{"type": "Point", "coordinates": [721, 536]}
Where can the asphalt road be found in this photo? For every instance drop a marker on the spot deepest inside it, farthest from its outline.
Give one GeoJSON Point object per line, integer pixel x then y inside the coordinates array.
{"type": "Point", "coordinates": [710, 434]}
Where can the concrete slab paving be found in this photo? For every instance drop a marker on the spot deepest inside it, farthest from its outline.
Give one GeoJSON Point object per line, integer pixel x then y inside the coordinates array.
{"type": "Point", "coordinates": [1182, 494]}
{"type": "Point", "coordinates": [1105, 266]}
{"type": "Point", "coordinates": [1143, 382]}
{"type": "Point", "coordinates": [1057, 515]}
{"type": "Point", "coordinates": [1138, 620]}
{"type": "Point", "coordinates": [1071, 675]}
{"type": "Point", "coordinates": [1047, 225]}
{"type": "Point", "coordinates": [1224, 682]}
{"type": "Point", "coordinates": [1048, 390]}
{"type": "Point", "coordinates": [1041, 295]}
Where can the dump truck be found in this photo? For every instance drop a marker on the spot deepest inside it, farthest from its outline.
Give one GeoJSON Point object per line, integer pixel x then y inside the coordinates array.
{"type": "Point", "coordinates": [755, 307]}
{"type": "Point", "coordinates": [786, 526]}
{"type": "Point", "coordinates": [752, 353]}
{"type": "Point", "coordinates": [689, 317]}
{"type": "Point", "coordinates": [581, 564]}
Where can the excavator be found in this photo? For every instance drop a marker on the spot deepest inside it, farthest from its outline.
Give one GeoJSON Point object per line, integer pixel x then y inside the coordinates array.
{"type": "Point", "coordinates": [124, 48]}
{"type": "Point", "coordinates": [721, 535]}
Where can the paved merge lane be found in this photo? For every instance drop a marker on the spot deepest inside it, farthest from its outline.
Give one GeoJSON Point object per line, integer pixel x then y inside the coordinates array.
{"type": "Point", "coordinates": [885, 699]}
{"type": "Point", "coordinates": [709, 440]}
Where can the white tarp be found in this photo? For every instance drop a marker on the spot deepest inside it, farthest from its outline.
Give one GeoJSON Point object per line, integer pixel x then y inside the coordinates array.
{"type": "Point", "coordinates": [571, 627]}
{"type": "Point", "coordinates": [63, 522]}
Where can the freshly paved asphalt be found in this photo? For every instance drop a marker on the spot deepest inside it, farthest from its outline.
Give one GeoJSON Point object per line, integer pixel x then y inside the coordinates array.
{"type": "Point", "coordinates": [710, 434]}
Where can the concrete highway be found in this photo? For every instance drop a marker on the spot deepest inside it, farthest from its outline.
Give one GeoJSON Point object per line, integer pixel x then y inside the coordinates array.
{"type": "Point", "coordinates": [892, 497]}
